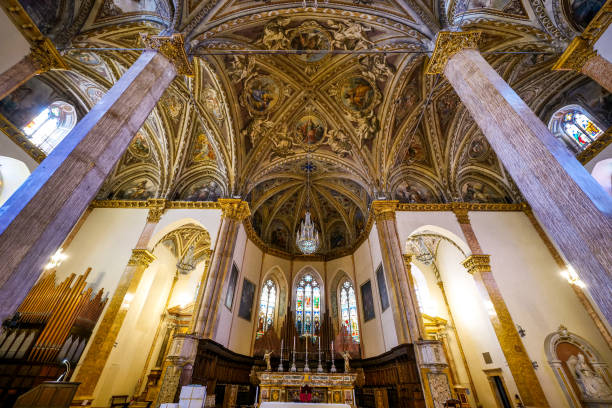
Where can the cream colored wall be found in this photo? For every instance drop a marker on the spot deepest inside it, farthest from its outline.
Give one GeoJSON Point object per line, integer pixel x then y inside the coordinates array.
{"type": "Point", "coordinates": [13, 46]}
{"type": "Point", "coordinates": [13, 173]}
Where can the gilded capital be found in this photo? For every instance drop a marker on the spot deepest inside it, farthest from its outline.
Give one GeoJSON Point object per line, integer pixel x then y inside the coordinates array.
{"type": "Point", "coordinates": [45, 57]}
{"type": "Point", "coordinates": [157, 207]}
{"type": "Point", "coordinates": [384, 209]}
{"type": "Point", "coordinates": [575, 56]}
{"type": "Point", "coordinates": [234, 208]}
{"type": "Point", "coordinates": [171, 47]}
{"type": "Point", "coordinates": [408, 258]}
{"type": "Point", "coordinates": [461, 212]}
{"type": "Point", "coordinates": [141, 257]}
{"type": "Point", "coordinates": [448, 43]}
{"type": "Point", "coordinates": [477, 263]}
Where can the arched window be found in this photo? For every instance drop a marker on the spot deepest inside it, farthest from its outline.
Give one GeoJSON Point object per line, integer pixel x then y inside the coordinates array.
{"type": "Point", "coordinates": [575, 127]}
{"type": "Point", "coordinates": [51, 125]}
{"type": "Point", "coordinates": [308, 306]}
{"type": "Point", "coordinates": [267, 304]}
{"type": "Point", "coordinates": [426, 303]}
{"type": "Point", "coordinates": [348, 308]}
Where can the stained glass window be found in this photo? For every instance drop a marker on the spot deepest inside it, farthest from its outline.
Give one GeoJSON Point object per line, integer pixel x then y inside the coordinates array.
{"type": "Point", "coordinates": [573, 125]}
{"type": "Point", "coordinates": [308, 306]}
{"type": "Point", "coordinates": [51, 125]}
{"type": "Point", "coordinates": [267, 304]}
{"type": "Point", "coordinates": [348, 307]}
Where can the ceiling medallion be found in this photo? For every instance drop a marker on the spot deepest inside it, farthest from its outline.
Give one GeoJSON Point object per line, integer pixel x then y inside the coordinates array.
{"type": "Point", "coordinates": [307, 239]}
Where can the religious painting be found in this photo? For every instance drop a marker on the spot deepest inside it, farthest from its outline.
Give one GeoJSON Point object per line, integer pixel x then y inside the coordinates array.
{"type": "Point", "coordinates": [140, 189]}
{"type": "Point", "coordinates": [310, 129]}
{"type": "Point", "coordinates": [212, 103]}
{"type": "Point", "coordinates": [473, 191]}
{"type": "Point", "coordinates": [262, 93]}
{"type": "Point", "coordinates": [581, 12]}
{"type": "Point", "coordinates": [348, 396]}
{"type": "Point", "coordinates": [310, 37]}
{"type": "Point", "coordinates": [95, 94]}
{"type": "Point", "coordinates": [382, 288]}
{"type": "Point", "coordinates": [139, 146]}
{"type": "Point", "coordinates": [413, 192]}
{"type": "Point", "coordinates": [337, 397]}
{"type": "Point", "coordinates": [337, 236]}
{"type": "Point", "coordinates": [207, 190]}
{"type": "Point", "coordinates": [367, 301]}
{"type": "Point", "coordinates": [203, 150]}
{"type": "Point", "coordinates": [359, 221]}
{"type": "Point", "coordinates": [92, 60]}
{"type": "Point", "coordinates": [231, 287]}
{"type": "Point", "coordinates": [279, 235]}
{"type": "Point", "coordinates": [245, 309]}
{"type": "Point", "coordinates": [357, 94]}
{"type": "Point", "coordinates": [26, 102]}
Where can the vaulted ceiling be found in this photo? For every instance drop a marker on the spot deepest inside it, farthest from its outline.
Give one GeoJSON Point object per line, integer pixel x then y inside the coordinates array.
{"type": "Point", "coordinates": [350, 118]}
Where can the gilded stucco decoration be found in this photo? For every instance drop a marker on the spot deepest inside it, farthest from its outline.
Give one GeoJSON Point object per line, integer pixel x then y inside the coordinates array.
{"type": "Point", "coordinates": [362, 126]}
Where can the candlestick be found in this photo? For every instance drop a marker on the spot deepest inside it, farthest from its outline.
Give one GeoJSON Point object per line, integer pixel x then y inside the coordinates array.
{"type": "Point", "coordinates": [306, 368]}
{"type": "Point", "coordinates": [256, 395]}
{"type": "Point", "coordinates": [280, 366]}
{"type": "Point", "coordinates": [319, 367]}
{"type": "Point", "coordinates": [333, 367]}
{"type": "Point", "coordinates": [293, 369]}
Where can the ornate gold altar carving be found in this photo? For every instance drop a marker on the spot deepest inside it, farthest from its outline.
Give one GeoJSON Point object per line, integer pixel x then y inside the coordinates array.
{"type": "Point", "coordinates": [234, 208]}
{"type": "Point", "coordinates": [448, 43]}
{"type": "Point", "coordinates": [575, 56]}
{"type": "Point", "coordinates": [173, 48]}
{"type": "Point", "coordinates": [157, 207]}
{"type": "Point", "coordinates": [384, 209]}
{"type": "Point", "coordinates": [477, 263]}
{"type": "Point", "coordinates": [141, 257]}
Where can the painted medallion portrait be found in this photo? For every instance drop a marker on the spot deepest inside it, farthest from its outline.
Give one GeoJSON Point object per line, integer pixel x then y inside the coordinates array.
{"type": "Point", "coordinates": [203, 150]}
{"type": "Point", "coordinates": [309, 37]}
{"type": "Point", "coordinates": [357, 94]}
{"type": "Point", "coordinates": [310, 129]}
{"type": "Point", "coordinates": [139, 146]}
{"type": "Point", "coordinates": [262, 93]}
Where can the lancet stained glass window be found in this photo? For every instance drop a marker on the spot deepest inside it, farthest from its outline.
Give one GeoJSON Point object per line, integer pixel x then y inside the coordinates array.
{"type": "Point", "coordinates": [308, 306]}
{"type": "Point", "coordinates": [348, 307]}
{"type": "Point", "coordinates": [51, 125]}
{"type": "Point", "coordinates": [267, 304]}
{"type": "Point", "coordinates": [575, 127]}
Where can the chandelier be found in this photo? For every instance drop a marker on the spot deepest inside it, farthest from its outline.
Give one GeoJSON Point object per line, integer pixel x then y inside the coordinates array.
{"type": "Point", "coordinates": [307, 238]}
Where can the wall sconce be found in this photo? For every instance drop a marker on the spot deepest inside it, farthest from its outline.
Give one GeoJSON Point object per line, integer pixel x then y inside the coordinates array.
{"type": "Point", "coordinates": [521, 331]}
{"type": "Point", "coordinates": [572, 277]}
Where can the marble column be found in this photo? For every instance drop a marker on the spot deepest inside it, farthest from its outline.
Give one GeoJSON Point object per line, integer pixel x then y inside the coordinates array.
{"type": "Point", "coordinates": [206, 320]}
{"type": "Point", "coordinates": [478, 265]}
{"type": "Point", "coordinates": [103, 341]}
{"type": "Point", "coordinates": [574, 209]}
{"type": "Point", "coordinates": [581, 57]}
{"type": "Point", "coordinates": [40, 214]}
{"type": "Point", "coordinates": [407, 317]}
{"type": "Point", "coordinates": [42, 58]}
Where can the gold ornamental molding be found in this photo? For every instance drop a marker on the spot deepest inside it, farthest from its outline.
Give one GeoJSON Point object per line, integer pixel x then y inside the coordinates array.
{"type": "Point", "coordinates": [170, 205]}
{"type": "Point", "coordinates": [384, 209]}
{"type": "Point", "coordinates": [234, 208]}
{"type": "Point", "coordinates": [43, 53]}
{"type": "Point", "coordinates": [461, 211]}
{"type": "Point", "coordinates": [575, 56]}
{"type": "Point", "coordinates": [448, 43]}
{"type": "Point", "coordinates": [141, 257]}
{"type": "Point", "coordinates": [157, 207]}
{"type": "Point", "coordinates": [171, 47]}
{"type": "Point", "coordinates": [467, 206]}
{"type": "Point", "coordinates": [477, 263]}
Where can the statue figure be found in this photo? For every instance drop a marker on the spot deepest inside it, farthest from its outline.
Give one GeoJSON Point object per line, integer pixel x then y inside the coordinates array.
{"type": "Point", "coordinates": [350, 34]}
{"type": "Point", "coordinates": [257, 130]}
{"type": "Point", "coordinates": [283, 142]}
{"type": "Point", "coordinates": [267, 356]}
{"type": "Point", "coordinates": [591, 382]}
{"type": "Point", "coordinates": [339, 142]}
{"type": "Point", "coordinates": [241, 68]}
{"type": "Point", "coordinates": [367, 125]}
{"type": "Point", "coordinates": [346, 356]}
{"type": "Point", "coordinates": [275, 36]}
{"type": "Point", "coordinates": [376, 67]}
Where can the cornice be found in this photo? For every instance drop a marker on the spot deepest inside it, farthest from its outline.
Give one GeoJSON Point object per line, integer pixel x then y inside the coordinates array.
{"type": "Point", "coordinates": [463, 206]}
{"type": "Point", "coordinates": [170, 205]}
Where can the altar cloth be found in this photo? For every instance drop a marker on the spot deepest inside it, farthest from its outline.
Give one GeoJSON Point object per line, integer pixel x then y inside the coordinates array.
{"type": "Point", "coordinates": [301, 404]}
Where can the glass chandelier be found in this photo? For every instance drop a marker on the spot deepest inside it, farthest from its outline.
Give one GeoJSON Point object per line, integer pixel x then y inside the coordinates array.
{"type": "Point", "coordinates": [307, 238]}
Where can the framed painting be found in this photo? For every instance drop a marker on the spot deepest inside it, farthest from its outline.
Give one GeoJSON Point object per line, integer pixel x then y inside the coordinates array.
{"type": "Point", "coordinates": [368, 302]}
{"type": "Point", "coordinates": [231, 287]}
{"type": "Point", "coordinates": [382, 288]}
{"type": "Point", "coordinates": [246, 300]}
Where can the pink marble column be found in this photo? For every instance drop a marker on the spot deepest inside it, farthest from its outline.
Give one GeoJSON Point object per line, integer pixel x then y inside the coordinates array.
{"type": "Point", "coordinates": [39, 216]}
{"type": "Point", "coordinates": [569, 203]}
{"type": "Point", "coordinates": [599, 70]}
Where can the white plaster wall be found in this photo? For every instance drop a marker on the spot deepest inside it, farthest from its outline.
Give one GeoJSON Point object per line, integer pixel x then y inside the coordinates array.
{"type": "Point", "coordinates": [13, 46]}
{"type": "Point", "coordinates": [604, 45]}
{"type": "Point", "coordinates": [173, 219]}
{"type": "Point", "coordinates": [13, 173]}
{"type": "Point", "coordinates": [538, 298]}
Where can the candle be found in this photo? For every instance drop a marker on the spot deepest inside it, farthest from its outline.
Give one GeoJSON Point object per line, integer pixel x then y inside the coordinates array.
{"type": "Point", "coordinates": [256, 395]}
{"type": "Point", "coordinates": [281, 358]}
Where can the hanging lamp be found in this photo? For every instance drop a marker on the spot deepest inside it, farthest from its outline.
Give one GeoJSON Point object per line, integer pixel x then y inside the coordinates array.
{"type": "Point", "coordinates": [307, 239]}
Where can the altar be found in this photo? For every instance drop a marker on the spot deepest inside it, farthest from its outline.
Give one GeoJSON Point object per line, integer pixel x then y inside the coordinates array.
{"type": "Point", "coordinates": [300, 405]}
{"type": "Point", "coordinates": [327, 388]}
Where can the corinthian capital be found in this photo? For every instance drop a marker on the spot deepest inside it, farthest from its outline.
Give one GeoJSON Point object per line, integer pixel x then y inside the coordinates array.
{"type": "Point", "coordinates": [234, 208]}
{"type": "Point", "coordinates": [575, 56]}
{"type": "Point", "coordinates": [448, 43]}
{"type": "Point", "coordinates": [384, 209]}
{"type": "Point", "coordinates": [171, 47]}
{"type": "Point", "coordinates": [477, 263]}
{"type": "Point", "coordinates": [45, 57]}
